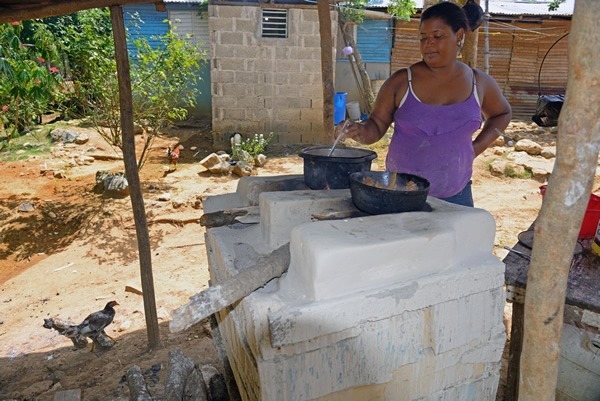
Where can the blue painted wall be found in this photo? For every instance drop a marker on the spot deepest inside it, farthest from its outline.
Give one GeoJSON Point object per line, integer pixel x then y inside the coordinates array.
{"type": "Point", "coordinates": [144, 21]}
{"type": "Point", "coordinates": [374, 40]}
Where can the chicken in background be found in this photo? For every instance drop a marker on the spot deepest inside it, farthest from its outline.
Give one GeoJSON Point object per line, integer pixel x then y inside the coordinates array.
{"type": "Point", "coordinates": [173, 154]}
{"type": "Point", "coordinates": [93, 326]}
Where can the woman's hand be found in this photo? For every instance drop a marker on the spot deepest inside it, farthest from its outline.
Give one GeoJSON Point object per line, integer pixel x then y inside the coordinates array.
{"type": "Point", "coordinates": [347, 129]}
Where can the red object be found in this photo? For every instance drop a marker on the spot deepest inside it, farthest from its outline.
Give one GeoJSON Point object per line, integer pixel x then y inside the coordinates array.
{"type": "Point", "coordinates": [591, 217]}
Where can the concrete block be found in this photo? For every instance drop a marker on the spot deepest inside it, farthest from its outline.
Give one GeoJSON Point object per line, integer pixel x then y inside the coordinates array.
{"type": "Point", "coordinates": [460, 321]}
{"type": "Point", "coordinates": [288, 323]}
{"type": "Point", "coordinates": [577, 348]}
{"type": "Point", "coordinates": [280, 212]}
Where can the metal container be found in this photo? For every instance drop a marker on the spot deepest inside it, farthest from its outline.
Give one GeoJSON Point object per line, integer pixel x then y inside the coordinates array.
{"type": "Point", "coordinates": [379, 192]}
{"type": "Point", "coordinates": [331, 172]}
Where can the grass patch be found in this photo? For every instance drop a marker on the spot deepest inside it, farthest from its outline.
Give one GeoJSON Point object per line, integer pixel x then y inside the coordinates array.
{"type": "Point", "coordinates": [37, 142]}
{"type": "Point", "coordinates": [511, 172]}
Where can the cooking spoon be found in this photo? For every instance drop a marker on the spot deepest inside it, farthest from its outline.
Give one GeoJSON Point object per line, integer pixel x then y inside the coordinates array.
{"type": "Point", "coordinates": [522, 254]}
{"type": "Point", "coordinates": [337, 140]}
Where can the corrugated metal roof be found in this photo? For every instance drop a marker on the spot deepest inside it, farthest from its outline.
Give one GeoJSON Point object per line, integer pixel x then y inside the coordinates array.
{"type": "Point", "coordinates": [506, 7]}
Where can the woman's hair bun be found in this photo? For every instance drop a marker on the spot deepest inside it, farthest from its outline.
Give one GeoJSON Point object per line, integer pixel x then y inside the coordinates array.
{"type": "Point", "coordinates": [474, 14]}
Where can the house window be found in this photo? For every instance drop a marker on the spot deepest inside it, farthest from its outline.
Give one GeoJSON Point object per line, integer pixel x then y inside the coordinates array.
{"type": "Point", "coordinates": [274, 23]}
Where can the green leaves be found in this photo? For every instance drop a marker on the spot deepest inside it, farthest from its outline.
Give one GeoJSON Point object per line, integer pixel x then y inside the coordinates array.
{"type": "Point", "coordinates": [28, 85]}
{"type": "Point", "coordinates": [253, 146]}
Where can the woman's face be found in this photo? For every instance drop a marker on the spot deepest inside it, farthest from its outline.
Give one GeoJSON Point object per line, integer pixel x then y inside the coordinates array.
{"type": "Point", "coordinates": [439, 45]}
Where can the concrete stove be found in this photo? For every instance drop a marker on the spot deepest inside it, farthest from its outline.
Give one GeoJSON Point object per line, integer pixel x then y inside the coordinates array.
{"type": "Point", "coordinates": [391, 307]}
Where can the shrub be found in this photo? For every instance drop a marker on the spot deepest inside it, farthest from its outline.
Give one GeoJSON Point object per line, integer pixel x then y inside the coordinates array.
{"type": "Point", "coordinates": [253, 146]}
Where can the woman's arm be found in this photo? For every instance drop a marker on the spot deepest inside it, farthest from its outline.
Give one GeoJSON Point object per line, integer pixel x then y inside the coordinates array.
{"type": "Point", "coordinates": [496, 111]}
{"type": "Point", "coordinates": [375, 126]}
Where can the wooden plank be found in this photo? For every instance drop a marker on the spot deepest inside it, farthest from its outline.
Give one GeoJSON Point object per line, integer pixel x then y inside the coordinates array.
{"type": "Point", "coordinates": [63, 7]}
{"type": "Point", "coordinates": [231, 290]}
{"type": "Point", "coordinates": [514, 353]}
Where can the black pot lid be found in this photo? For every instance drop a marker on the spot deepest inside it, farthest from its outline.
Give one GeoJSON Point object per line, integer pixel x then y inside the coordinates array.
{"type": "Point", "coordinates": [526, 239]}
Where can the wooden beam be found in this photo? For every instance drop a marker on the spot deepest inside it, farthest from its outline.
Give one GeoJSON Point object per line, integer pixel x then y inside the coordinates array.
{"type": "Point", "coordinates": [132, 173]}
{"type": "Point", "coordinates": [40, 9]}
{"type": "Point", "coordinates": [326, 68]}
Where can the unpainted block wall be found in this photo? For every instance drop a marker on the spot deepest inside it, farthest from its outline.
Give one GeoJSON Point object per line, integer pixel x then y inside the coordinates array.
{"type": "Point", "coordinates": [263, 85]}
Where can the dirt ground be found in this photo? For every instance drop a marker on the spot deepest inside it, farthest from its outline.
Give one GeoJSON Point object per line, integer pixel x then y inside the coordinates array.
{"type": "Point", "coordinates": [77, 250]}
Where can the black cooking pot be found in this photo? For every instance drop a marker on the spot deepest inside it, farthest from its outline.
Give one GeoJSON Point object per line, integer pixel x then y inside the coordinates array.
{"type": "Point", "coordinates": [379, 192]}
{"type": "Point", "coordinates": [331, 172]}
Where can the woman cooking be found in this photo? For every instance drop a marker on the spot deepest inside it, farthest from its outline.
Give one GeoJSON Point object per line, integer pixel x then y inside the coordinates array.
{"type": "Point", "coordinates": [436, 106]}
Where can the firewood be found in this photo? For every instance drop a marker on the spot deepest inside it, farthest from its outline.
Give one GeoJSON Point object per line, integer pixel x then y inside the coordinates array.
{"type": "Point", "coordinates": [69, 330]}
{"type": "Point", "coordinates": [66, 329]}
{"type": "Point", "coordinates": [225, 217]}
{"type": "Point", "coordinates": [231, 290]}
{"type": "Point", "coordinates": [184, 381]}
{"type": "Point", "coordinates": [138, 391]}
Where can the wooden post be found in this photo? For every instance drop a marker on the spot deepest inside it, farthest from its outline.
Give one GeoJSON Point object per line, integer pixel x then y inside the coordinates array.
{"type": "Point", "coordinates": [563, 209]}
{"type": "Point", "coordinates": [326, 68]}
{"type": "Point", "coordinates": [133, 178]}
{"type": "Point", "coordinates": [469, 50]}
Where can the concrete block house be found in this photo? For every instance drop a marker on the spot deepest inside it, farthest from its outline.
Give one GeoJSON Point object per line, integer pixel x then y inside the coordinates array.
{"type": "Point", "coordinates": [266, 70]}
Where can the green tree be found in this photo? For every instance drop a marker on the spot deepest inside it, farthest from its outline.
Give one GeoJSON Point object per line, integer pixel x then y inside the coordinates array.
{"type": "Point", "coordinates": [164, 85]}
{"type": "Point", "coordinates": [29, 77]}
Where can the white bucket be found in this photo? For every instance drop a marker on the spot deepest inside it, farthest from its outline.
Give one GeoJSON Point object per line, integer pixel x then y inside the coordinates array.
{"type": "Point", "coordinates": [353, 110]}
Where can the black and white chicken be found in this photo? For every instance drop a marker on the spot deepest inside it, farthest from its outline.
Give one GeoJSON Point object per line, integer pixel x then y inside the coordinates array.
{"type": "Point", "coordinates": [94, 325]}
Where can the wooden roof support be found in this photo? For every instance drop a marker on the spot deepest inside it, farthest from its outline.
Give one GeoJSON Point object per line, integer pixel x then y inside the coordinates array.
{"type": "Point", "coordinates": [132, 173]}
{"type": "Point", "coordinates": [19, 11]}
{"type": "Point", "coordinates": [326, 68]}
{"type": "Point", "coordinates": [563, 209]}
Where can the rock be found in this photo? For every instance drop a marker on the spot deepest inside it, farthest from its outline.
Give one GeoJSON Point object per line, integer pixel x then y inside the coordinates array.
{"type": "Point", "coordinates": [124, 326]}
{"type": "Point", "coordinates": [113, 184]}
{"type": "Point", "coordinates": [26, 207]}
{"type": "Point", "coordinates": [164, 197]}
{"type": "Point", "coordinates": [260, 160]}
{"type": "Point", "coordinates": [211, 161]}
{"type": "Point", "coordinates": [514, 170]}
{"type": "Point", "coordinates": [532, 162]}
{"type": "Point", "coordinates": [52, 215]}
{"type": "Point", "coordinates": [540, 175]}
{"type": "Point", "coordinates": [106, 156]}
{"type": "Point", "coordinates": [177, 203]}
{"type": "Point", "coordinates": [116, 185]}
{"type": "Point", "coordinates": [244, 156]}
{"type": "Point", "coordinates": [63, 135]}
{"type": "Point", "coordinates": [498, 151]}
{"type": "Point", "coordinates": [242, 169]}
{"type": "Point", "coordinates": [59, 174]}
{"type": "Point", "coordinates": [81, 139]}
{"type": "Point", "coordinates": [193, 148]}
{"type": "Point", "coordinates": [548, 152]}
{"type": "Point", "coordinates": [497, 167]}
{"type": "Point", "coordinates": [528, 146]}
{"type": "Point", "coordinates": [36, 388]}
{"type": "Point", "coordinates": [499, 141]}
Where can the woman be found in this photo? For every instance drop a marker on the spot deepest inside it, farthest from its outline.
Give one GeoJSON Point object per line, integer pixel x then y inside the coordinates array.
{"type": "Point", "coordinates": [436, 106]}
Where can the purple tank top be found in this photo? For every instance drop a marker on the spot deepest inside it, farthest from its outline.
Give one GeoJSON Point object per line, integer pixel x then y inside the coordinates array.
{"type": "Point", "coordinates": [435, 142]}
